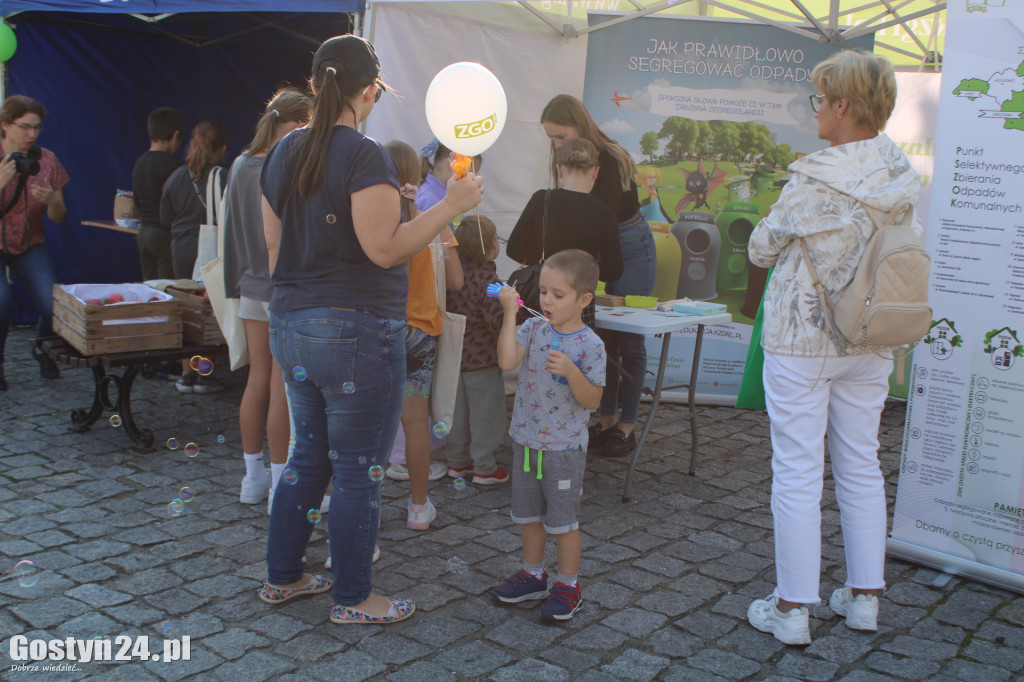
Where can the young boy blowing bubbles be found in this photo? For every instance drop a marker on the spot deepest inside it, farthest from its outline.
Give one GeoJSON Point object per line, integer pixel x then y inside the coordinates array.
{"type": "Point", "coordinates": [561, 381]}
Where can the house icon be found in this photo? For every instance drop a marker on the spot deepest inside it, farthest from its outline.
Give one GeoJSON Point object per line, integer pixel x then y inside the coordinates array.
{"type": "Point", "coordinates": [1003, 347]}
{"type": "Point", "coordinates": [942, 338]}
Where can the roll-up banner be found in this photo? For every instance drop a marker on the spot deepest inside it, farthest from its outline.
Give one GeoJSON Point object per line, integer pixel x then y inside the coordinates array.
{"type": "Point", "coordinates": [713, 111]}
{"type": "Point", "coordinates": [960, 500]}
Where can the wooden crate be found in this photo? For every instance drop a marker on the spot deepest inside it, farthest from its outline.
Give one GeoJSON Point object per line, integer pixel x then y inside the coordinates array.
{"type": "Point", "coordinates": [199, 325]}
{"type": "Point", "coordinates": [83, 325]}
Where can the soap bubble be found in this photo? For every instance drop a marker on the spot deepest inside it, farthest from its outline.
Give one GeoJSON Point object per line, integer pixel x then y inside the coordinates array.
{"type": "Point", "coordinates": [221, 439]}
{"type": "Point", "coordinates": [299, 373]}
{"type": "Point", "coordinates": [313, 516]}
{"type": "Point", "coordinates": [348, 387]}
{"type": "Point", "coordinates": [27, 573]}
{"type": "Point", "coordinates": [165, 628]}
{"type": "Point", "coordinates": [193, 362]}
{"type": "Point", "coordinates": [176, 507]}
{"type": "Point", "coordinates": [333, 454]}
{"type": "Point", "coordinates": [376, 473]}
{"type": "Point", "coordinates": [186, 494]}
{"type": "Point", "coordinates": [204, 367]}
{"type": "Point", "coordinates": [192, 450]}
{"type": "Point", "coordinates": [290, 476]}
{"type": "Point", "coordinates": [456, 565]}
{"type": "Point", "coordinates": [460, 484]}
{"type": "Point", "coordinates": [374, 504]}
{"type": "Point", "coordinates": [115, 420]}
{"type": "Point", "coordinates": [172, 443]}
{"type": "Point", "coordinates": [440, 429]}
{"type": "Point", "coordinates": [362, 460]}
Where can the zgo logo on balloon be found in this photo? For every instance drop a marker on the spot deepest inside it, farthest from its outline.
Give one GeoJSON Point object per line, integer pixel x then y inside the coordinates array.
{"type": "Point", "coordinates": [466, 108]}
{"type": "Point", "coordinates": [467, 130]}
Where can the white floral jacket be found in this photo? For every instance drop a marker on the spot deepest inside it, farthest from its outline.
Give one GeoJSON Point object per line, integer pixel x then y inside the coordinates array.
{"type": "Point", "coordinates": [822, 202]}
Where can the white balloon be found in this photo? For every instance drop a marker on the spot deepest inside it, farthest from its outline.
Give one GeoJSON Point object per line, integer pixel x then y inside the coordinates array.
{"type": "Point", "coordinates": [466, 107]}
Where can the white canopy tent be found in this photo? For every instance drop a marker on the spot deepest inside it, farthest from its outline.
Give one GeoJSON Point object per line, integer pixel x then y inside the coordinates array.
{"type": "Point", "coordinates": [538, 49]}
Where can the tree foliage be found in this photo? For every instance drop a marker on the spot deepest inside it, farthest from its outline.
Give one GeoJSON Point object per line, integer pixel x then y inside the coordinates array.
{"type": "Point", "coordinates": [725, 140]}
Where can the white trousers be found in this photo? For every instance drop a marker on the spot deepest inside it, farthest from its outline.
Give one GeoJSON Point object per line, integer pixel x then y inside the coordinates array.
{"type": "Point", "coordinates": [807, 398]}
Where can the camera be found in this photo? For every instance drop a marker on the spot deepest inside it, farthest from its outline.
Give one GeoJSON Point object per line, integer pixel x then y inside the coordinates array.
{"type": "Point", "coordinates": [27, 164]}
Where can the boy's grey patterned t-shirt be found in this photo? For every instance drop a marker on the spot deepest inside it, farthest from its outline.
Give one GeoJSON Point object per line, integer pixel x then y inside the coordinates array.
{"type": "Point", "coordinates": [546, 414]}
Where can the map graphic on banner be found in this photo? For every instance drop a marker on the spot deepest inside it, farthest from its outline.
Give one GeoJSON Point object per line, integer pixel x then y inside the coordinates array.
{"type": "Point", "coordinates": [713, 112]}
{"type": "Point", "coordinates": [960, 501]}
{"type": "Point", "coordinates": [1005, 88]}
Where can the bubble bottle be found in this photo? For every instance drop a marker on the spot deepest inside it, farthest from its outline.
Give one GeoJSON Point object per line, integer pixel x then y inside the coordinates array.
{"type": "Point", "coordinates": [556, 344]}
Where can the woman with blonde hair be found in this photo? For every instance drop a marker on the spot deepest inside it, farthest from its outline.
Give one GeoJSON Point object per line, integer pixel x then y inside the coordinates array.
{"type": "Point", "coordinates": [264, 408]}
{"type": "Point", "coordinates": [815, 383]}
{"type": "Point", "coordinates": [565, 118]}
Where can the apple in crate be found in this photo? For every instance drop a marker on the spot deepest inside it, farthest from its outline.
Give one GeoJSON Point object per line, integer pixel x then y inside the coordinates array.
{"type": "Point", "coordinates": [115, 298]}
{"type": "Point", "coordinates": [94, 301]}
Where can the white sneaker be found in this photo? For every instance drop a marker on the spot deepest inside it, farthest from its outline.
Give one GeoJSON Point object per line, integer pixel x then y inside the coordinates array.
{"type": "Point", "coordinates": [253, 492]}
{"type": "Point", "coordinates": [792, 627]}
{"type": "Point", "coordinates": [860, 611]}
{"type": "Point", "coordinates": [376, 555]}
{"type": "Point", "coordinates": [420, 515]}
{"type": "Point", "coordinates": [398, 472]}
{"type": "Point", "coordinates": [438, 470]}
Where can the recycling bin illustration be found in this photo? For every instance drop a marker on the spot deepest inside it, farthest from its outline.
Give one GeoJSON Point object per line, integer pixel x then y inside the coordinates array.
{"type": "Point", "coordinates": [735, 223]}
{"type": "Point", "coordinates": [700, 245]}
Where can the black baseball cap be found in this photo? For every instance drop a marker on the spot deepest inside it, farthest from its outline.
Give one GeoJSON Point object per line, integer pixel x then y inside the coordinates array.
{"type": "Point", "coordinates": [349, 53]}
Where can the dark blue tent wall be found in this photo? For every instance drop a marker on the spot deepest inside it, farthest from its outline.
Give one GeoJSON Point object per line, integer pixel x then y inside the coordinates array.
{"type": "Point", "coordinates": [100, 75]}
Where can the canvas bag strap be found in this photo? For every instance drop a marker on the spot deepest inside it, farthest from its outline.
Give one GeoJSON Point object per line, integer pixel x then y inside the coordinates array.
{"type": "Point", "coordinates": [213, 195]}
{"type": "Point", "coordinates": [544, 224]}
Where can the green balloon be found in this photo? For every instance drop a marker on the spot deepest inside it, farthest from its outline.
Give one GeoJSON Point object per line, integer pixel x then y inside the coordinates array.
{"type": "Point", "coordinates": [8, 42]}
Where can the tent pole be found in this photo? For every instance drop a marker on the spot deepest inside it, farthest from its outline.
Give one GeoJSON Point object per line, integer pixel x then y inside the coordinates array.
{"type": "Point", "coordinates": [861, 29]}
{"type": "Point", "coordinates": [810, 17]}
{"type": "Point", "coordinates": [907, 28]}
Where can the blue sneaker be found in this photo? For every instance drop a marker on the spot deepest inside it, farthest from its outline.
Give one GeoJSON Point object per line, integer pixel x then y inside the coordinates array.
{"type": "Point", "coordinates": [563, 604]}
{"type": "Point", "coordinates": [522, 586]}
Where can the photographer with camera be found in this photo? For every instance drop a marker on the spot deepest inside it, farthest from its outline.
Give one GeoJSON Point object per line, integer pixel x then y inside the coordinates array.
{"type": "Point", "coordinates": [31, 182]}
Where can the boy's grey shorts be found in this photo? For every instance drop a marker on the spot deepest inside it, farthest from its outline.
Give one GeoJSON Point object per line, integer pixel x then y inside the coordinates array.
{"type": "Point", "coordinates": [555, 498]}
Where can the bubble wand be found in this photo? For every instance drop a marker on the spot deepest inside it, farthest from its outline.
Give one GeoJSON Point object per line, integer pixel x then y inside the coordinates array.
{"type": "Point", "coordinates": [494, 289]}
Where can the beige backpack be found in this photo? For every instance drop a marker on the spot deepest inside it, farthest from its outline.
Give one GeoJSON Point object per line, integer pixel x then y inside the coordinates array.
{"type": "Point", "coordinates": [886, 303]}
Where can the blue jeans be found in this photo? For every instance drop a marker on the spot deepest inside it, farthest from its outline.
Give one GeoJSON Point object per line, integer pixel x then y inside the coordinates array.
{"type": "Point", "coordinates": [348, 401]}
{"type": "Point", "coordinates": [35, 270]}
{"type": "Point", "coordinates": [640, 264]}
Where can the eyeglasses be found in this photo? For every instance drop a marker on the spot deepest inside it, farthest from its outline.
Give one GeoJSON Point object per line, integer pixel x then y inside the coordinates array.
{"type": "Point", "coordinates": [816, 101]}
{"type": "Point", "coordinates": [26, 127]}
{"type": "Point", "coordinates": [380, 89]}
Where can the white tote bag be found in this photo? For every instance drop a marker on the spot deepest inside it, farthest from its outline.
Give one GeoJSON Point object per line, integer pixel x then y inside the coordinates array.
{"type": "Point", "coordinates": [447, 365]}
{"type": "Point", "coordinates": [225, 309]}
{"type": "Point", "coordinates": [209, 244]}
{"type": "Point", "coordinates": [448, 361]}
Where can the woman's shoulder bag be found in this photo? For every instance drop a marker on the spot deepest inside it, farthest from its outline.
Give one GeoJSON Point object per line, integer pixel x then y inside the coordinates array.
{"type": "Point", "coordinates": [526, 279]}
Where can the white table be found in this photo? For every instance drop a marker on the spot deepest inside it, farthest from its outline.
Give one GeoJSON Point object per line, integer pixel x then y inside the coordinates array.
{"type": "Point", "coordinates": [653, 323]}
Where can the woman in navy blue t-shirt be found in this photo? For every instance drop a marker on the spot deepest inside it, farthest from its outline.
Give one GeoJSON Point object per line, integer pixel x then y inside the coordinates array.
{"type": "Point", "coordinates": [337, 253]}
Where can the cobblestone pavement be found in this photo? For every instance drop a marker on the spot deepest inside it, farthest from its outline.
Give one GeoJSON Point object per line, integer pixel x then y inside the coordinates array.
{"type": "Point", "coordinates": [666, 578]}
